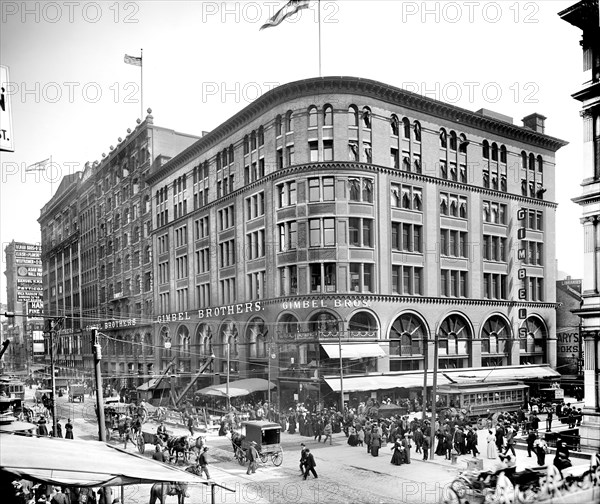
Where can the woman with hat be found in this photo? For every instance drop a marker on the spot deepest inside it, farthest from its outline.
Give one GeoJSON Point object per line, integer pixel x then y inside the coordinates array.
{"type": "Point", "coordinates": [252, 458]}
{"type": "Point", "coordinates": [42, 429]}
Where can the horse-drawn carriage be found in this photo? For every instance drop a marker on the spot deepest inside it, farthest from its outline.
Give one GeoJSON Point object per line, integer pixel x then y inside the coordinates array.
{"type": "Point", "coordinates": [266, 435]}
{"type": "Point", "coordinates": [77, 392]}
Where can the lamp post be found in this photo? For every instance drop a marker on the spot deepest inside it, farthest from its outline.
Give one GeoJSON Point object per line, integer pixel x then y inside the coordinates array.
{"type": "Point", "coordinates": [227, 385]}
{"type": "Point", "coordinates": [434, 394]}
{"type": "Point", "coordinates": [342, 408]}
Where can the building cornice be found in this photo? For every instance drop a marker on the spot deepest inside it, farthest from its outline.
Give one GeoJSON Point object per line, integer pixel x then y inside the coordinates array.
{"type": "Point", "coordinates": [366, 88]}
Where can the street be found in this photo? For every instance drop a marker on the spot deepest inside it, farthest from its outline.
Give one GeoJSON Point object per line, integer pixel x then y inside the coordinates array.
{"type": "Point", "coordinates": [346, 474]}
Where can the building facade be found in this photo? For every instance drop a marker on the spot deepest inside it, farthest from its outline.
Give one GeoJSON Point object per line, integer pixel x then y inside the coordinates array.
{"type": "Point", "coordinates": [24, 298]}
{"type": "Point", "coordinates": [584, 15]}
{"type": "Point", "coordinates": [98, 257]}
{"type": "Point", "coordinates": [343, 214]}
{"type": "Point", "coordinates": [569, 350]}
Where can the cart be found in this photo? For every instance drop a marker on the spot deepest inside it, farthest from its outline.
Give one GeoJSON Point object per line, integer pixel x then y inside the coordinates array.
{"type": "Point", "coordinates": [77, 392]}
{"type": "Point", "coordinates": [267, 436]}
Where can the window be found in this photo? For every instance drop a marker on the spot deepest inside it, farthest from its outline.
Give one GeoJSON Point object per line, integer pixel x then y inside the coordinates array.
{"type": "Point", "coordinates": [366, 117]}
{"type": "Point", "coordinates": [361, 277]}
{"type": "Point", "coordinates": [352, 116]}
{"type": "Point", "coordinates": [228, 290]}
{"type": "Point", "coordinates": [454, 243]}
{"type": "Point", "coordinates": [321, 189]}
{"type": "Point", "coordinates": [327, 150]}
{"type": "Point", "coordinates": [417, 130]}
{"type": "Point", "coordinates": [255, 244]}
{"type": "Point", "coordinates": [323, 277]}
{"type": "Point", "coordinates": [227, 253]}
{"type": "Point", "coordinates": [226, 218]}
{"type": "Point", "coordinates": [163, 272]}
{"type": "Point", "coordinates": [322, 232]}
{"type": "Point", "coordinates": [494, 213]}
{"type": "Point", "coordinates": [290, 155]}
{"type": "Point", "coordinates": [453, 283]}
{"type": "Point", "coordinates": [453, 141]}
{"type": "Point", "coordinates": [395, 125]}
{"type": "Point", "coordinates": [535, 289]}
{"type": "Point", "coordinates": [312, 117]}
{"type": "Point", "coordinates": [203, 295]}
{"type": "Point", "coordinates": [203, 260]}
{"type": "Point", "coordinates": [453, 205]}
{"type": "Point", "coordinates": [407, 237]}
{"type": "Point", "coordinates": [181, 236]}
{"type": "Point", "coordinates": [443, 139]}
{"type": "Point", "coordinates": [486, 149]}
{"type": "Point", "coordinates": [532, 252]}
{"type": "Point", "coordinates": [535, 220]}
{"type": "Point", "coordinates": [407, 280]}
{"type": "Point", "coordinates": [255, 206]}
{"type": "Point", "coordinates": [288, 280]}
{"type": "Point", "coordinates": [313, 148]}
{"type": "Point", "coordinates": [256, 285]}
{"type": "Point", "coordinates": [494, 248]}
{"type": "Point", "coordinates": [181, 267]}
{"type": "Point", "coordinates": [289, 125]}
{"type": "Point", "coordinates": [328, 115]}
{"type": "Point", "coordinates": [361, 189]}
{"type": "Point", "coordinates": [360, 232]}
{"type": "Point", "coordinates": [288, 236]}
{"type": "Point", "coordinates": [352, 150]}
{"type": "Point", "coordinates": [286, 194]}
{"type": "Point", "coordinates": [201, 228]}
{"type": "Point", "coordinates": [495, 286]}
{"type": "Point", "coordinates": [278, 126]}
{"type": "Point", "coordinates": [407, 197]}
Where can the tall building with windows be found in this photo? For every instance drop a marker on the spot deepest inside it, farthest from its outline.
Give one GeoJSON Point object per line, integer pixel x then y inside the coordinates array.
{"type": "Point", "coordinates": [97, 257]}
{"type": "Point", "coordinates": [341, 213]}
{"type": "Point", "coordinates": [584, 15]}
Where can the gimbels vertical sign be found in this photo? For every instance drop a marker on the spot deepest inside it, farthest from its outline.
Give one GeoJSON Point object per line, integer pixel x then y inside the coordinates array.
{"type": "Point", "coordinates": [6, 131]}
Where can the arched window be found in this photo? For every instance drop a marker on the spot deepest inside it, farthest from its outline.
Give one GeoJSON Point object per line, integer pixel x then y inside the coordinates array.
{"type": "Point", "coordinates": [443, 139]}
{"type": "Point", "coordinates": [288, 324]}
{"type": "Point", "coordinates": [256, 337]}
{"type": "Point", "coordinates": [229, 340]}
{"type": "Point", "coordinates": [531, 162]}
{"type": "Point", "coordinates": [405, 127]}
{"type": "Point", "coordinates": [495, 335]}
{"type": "Point", "coordinates": [278, 126]}
{"type": "Point", "coordinates": [406, 336]}
{"type": "Point", "coordinates": [503, 154]}
{"type": "Point", "coordinates": [462, 144]}
{"type": "Point", "coordinates": [524, 160]}
{"type": "Point", "coordinates": [394, 125]}
{"type": "Point", "coordinates": [289, 125]}
{"type": "Point", "coordinates": [494, 151]}
{"type": "Point", "coordinates": [328, 115]}
{"type": "Point", "coordinates": [534, 345]}
{"type": "Point", "coordinates": [313, 115]}
{"type": "Point", "coordinates": [362, 324]}
{"type": "Point", "coordinates": [204, 338]}
{"type": "Point", "coordinates": [540, 164]}
{"type": "Point", "coordinates": [261, 142]}
{"type": "Point", "coordinates": [417, 130]}
{"type": "Point", "coordinates": [486, 149]}
{"type": "Point", "coordinates": [324, 322]}
{"type": "Point", "coordinates": [246, 144]}
{"type": "Point", "coordinates": [453, 141]}
{"type": "Point", "coordinates": [183, 340]}
{"type": "Point", "coordinates": [352, 116]}
{"type": "Point", "coordinates": [253, 140]}
{"type": "Point", "coordinates": [454, 337]}
{"type": "Point", "coordinates": [366, 117]}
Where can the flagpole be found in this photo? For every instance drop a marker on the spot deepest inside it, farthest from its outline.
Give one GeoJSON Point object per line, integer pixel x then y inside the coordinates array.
{"type": "Point", "coordinates": [319, 7]}
{"type": "Point", "coordinates": [142, 82]}
{"type": "Point", "coordinates": [51, 191]}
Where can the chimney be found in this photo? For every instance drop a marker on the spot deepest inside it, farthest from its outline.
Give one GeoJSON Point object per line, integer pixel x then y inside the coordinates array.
{"type": "Point", "coordinates": [535, 121]}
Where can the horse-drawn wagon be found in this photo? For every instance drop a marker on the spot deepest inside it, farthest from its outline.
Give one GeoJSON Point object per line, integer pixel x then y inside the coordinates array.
{"type": "Point", "coordinates": [266, 435]}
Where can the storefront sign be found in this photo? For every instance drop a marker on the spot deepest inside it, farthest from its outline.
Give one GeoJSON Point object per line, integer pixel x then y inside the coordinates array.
{"type": "Point", "coordinates": [114, 324]}
{"type": "Point", "coordinates": [217, 311]}
{"type": "Point", "coordinates": [325, 303]}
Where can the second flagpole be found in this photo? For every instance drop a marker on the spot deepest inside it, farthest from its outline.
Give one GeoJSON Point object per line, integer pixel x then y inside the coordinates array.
{"type": "Point", "coordinates": [319, 7]}
{"type": "Point", "coordinates": [142, 83]}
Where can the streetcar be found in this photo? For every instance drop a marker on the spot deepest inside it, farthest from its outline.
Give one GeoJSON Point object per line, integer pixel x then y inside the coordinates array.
{"type": "Point", "coordinates": [16, 389]}
{"type": "Point", "coordinates": [479, 400]}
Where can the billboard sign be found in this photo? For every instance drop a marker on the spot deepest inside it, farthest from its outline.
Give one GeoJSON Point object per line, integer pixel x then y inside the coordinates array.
{"type": "Point", "coordinates": [6, 130]}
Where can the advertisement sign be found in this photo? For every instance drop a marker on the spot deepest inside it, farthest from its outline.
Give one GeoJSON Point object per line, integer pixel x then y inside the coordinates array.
{"type": "Point", "coordinates": [6, 129]}
{"type": "Point", "coordinates": [28, 262]}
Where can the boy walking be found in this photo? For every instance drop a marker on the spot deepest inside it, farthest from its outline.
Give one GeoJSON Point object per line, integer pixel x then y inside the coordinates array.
{"type": "Point", "coordinates": [310, 465]}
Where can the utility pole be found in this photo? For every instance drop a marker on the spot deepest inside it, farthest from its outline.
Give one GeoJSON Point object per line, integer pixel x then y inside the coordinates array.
{"type": "Point", "coordinates": [97, 350]}
{"type": "Point", "coordinates": [433, 395]}
{"type": "Point", "coordinates": [54, 326]}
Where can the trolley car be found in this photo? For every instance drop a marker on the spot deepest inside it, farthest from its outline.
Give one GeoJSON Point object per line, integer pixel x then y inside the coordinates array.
{"type": "Point", "coordinates": [267, 436]}
{"type": "Point", "coordinates": [482, 399]}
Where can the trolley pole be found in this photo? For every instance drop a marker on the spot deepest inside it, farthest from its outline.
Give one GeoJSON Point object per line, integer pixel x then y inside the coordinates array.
{"type": "Point", "coordinates": [97, 350]}
{"type": "Point", "coordinates": [433, 396]}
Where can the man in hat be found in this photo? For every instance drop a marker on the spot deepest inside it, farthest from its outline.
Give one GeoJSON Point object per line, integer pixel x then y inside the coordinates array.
{"type": "Point", "coordinates": [252, 458]}
{"type": "Point", "coordinates": [203, 463]}
{"type": "Point", "coordinates": [302, 457]}
{"type": "Point", "coordinates": [310, 465]}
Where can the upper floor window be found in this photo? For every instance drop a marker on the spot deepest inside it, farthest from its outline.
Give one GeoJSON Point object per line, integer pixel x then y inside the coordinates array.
{"type": "Point", "coordinates": [286, 194]}
{"type": "Point", "coordinates": [361, 189]}
{"type": "Point", "coordinates": [417, 130]}
{"type": "Point", "coordinates": [312, 117]}
{"type": "Point", "coordinates": [394, 125]}
{"type": "Point", "coordinates": [352, 116]}
{"type": "Point", "coordinates": [278, 126]}
{"type": "Point", "coordinates": [494, 151]}
{"type": "Point", "coordinates": [443, 139]}
{"type": "Point", "coordinates": [406, 127]}
{"type": "Point", "coordinates": [462, 144]}
{"type": "Point", "coordinates": [453, 141]}
{"type": "Point", "coordinates": [453, 205]}
{"type": "Point", "coordinates": [503, 154]}
{"type": "Point", "coordinates": [366, 117]}
{"type": "Point", "coordinates": [261, 137]}
{"type": "Point", "coordinates": [494, 213]}
{"type": "Point", "coordinates": [246, 145]}
{"type": "Point", "coordinates": [321, 189]}
{"type": "Point", "coordinates": [289, 126]}
{"type": "Point", "coordinates": [328, 115]}
{"type": "Point", "coordinates": [486, 149]}
{"type": "Point", "coordinates": [407, 197]}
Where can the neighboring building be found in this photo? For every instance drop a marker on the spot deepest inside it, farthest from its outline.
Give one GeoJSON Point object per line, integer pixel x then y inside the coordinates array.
{"type": "Point", "coordinates": [343, 212]}
{"type": "Point", "coordinates": [24, 299]}
{"type": "Point", "coordinates": [569, 349]}
{"type": "Point", "coordinates": [97, 257]}
{"type": "Point", "coordinates": [584, 15]}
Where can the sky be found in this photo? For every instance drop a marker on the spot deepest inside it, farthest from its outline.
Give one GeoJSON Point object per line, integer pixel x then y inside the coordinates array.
{"type": "Point", "coordinates": [72, 96]}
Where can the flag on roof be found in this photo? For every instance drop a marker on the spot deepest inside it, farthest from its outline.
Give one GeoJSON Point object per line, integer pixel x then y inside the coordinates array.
{"type": "Point", "coordinates": [289, 9]}
{"type": "Point", "coordinates": [39, 166]}
{"type": "Point", "coordinates": [133, 60]}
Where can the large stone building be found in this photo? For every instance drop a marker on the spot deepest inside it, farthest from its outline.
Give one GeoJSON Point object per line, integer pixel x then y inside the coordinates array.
{"type": "Point", "coordinates": [341, 213]}
{"type": "Point", "coordinates": [568, 345]}
{"type": "Point", "coordinates": [24, 298]}
{"type": "Point", "coordinates": [584, 15]}
{"type": "Point", "coordinates": [97, 257]}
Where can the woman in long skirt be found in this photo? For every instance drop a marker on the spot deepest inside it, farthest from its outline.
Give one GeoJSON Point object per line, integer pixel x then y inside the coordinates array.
{"type": "Point", "coordinates": [69, 429]}
{"type": "Point", "coordinates": [397, 458]}
{"type": "Point", "coordinates": [492, 451]}
{"type": "Point", "coordinates": [352, 440]}
{"type": "Point", "coordinates": [407, 446]}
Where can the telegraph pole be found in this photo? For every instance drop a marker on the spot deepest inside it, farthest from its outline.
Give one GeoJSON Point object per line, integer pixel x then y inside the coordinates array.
{"type": "Point", "coordinates": [55, 324]}
{"type": "Point", "coordinates": [434, 395]}
{"type": "Point", "coordinates": [97, 350]}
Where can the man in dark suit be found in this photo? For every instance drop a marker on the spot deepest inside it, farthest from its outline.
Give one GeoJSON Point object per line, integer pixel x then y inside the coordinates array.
{"type": "Point", "coordinates": [310, 464]}
{"type": "Point", "coordinates": [302, 457]}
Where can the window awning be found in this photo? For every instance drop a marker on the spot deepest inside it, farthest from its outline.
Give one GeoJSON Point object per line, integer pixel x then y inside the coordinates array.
{"type": "Point", "coordinates": [154, 384]}
{"type": "Point", "coordinates": [353, 350]}
{"type": "Point", "coordinates": [383, 382]}
{"type": "Point", "coordinates": [238, 388]}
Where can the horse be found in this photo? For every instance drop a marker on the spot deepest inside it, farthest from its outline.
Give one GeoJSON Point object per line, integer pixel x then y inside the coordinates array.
{"type": "Point", "coordinates": [179, 444]}
{"type": "Point", "coordinates": [197, 445]}
{"type": "Point", "coordinates": [161, 490]}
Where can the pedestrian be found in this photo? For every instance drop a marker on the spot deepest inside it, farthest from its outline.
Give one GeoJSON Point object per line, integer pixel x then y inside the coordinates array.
{"type": "Point", "coordinates": [492, 451]}
{"type": "Point", "coordinates": [540, 447]}
{"type": "Point", "coordinates": [561, 459]}
{"type": "Point", "coordinates": [59, 432]}
{"type": "Point", "coordinates": [531, 437]}
{"type": "Point", "coordinates": [252, 458]}
{"type": "Point", "coordinates": [375, 441]}
{"type": "Point", "coordinates": [426, 445]}
{"type": "Point", "coordinates": [510, 441]}
{"type": "Point", "coordinates": [69, 429]}
{"type": "Point", "coordinates": [474, 441]}
{"type": "Point", "coordinates": [128, 432]}
{"type": "Point", "coordinates": [190, 424]}
{"type": "Point", "coordinates": [407, 446]}
{"type": "Point", "coordinates": [158, 454]}
{"type": "Point", "coordinates": [418, 439]}
{"type": "Point", "coordinates": [42, 428]}
{"type": "Point", "coordinates": [360, 435]}
{"type": "Point", "coordinates": [310, 465]}
{"type": "Point", "coordinates": [59, 497]}
{"type": "Point", "coordinates": [368, 431]}
{"type": "Point", "coordinates": [328, 431]}
{"type": "Point", "coordinates": [549, 421]}
{"type": "Point", "coordinates": [302, 458]}
{"type": "Point", "coordinates": [203, 463]}
{"type": "Point", "coordinates": [499, 437]}
{"type": "Point", "coordinates": [397, 457]}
